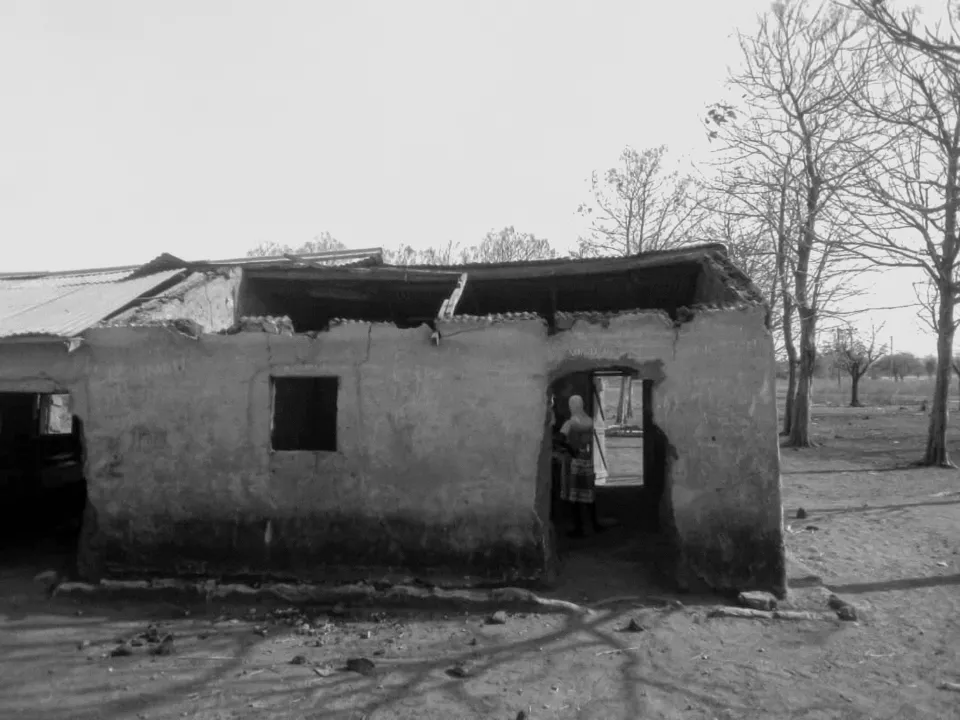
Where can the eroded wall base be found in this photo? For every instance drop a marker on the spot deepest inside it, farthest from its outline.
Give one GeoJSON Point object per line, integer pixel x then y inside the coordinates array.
{"type": "Point", "coordinates": [744, 560]}
{"type": "Point", "coordinates": [314, 548]}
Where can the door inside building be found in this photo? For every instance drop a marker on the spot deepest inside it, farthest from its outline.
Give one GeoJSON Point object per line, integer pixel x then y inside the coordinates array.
{"type": "Point", "coordinates": [618, 538]}
{"type": "Point", "coordinates": [41, 472]}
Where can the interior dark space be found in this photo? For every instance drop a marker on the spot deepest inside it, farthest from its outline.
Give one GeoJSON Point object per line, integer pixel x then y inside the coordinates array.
{"type": "Point", "coordinates": [410, 297]}
{"type": "Point", "coordinates": [629, 452]}
{"type": "Point", "coordinates": [640, 289]}
{"type": "Point", "coordinates": [41, 474]}
{"type": "Point", "coordinates": [312, 303]}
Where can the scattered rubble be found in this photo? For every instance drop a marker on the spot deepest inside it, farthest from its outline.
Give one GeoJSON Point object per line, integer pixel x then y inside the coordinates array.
{"type": "Point", "coordinates": [165, 647]}
{"type": "Point", "coordinates": [460, 670]}
{"type": "Point", "coordinates": [155, 643]}
{"type": "Point", "coordinates": [844, 610]}
{"type": "Point", "coordinates": [266, 324]}
{"type": "Point", "coordinates": [361, 665]}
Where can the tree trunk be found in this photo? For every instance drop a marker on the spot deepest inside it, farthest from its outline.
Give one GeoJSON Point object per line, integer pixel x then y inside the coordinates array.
{"type": "Point", "coordinates": [855, 389]}
{"type": "Point", "coordinates": [791, 399]}
{"type": "Point", "coordinates": [800, 426]}
{"type": "Point", "coordinates": [956, 371]}
{"type": "Point", "coordinates": [936, 453]}
{"type": "Point", "coordinates": [792, 362]}
{"type": "Point", "coordinates": [787, 302]}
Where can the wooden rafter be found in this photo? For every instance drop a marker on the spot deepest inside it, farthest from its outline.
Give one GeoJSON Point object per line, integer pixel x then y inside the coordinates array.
{"type": "Point", "coordinates": [449, 307]}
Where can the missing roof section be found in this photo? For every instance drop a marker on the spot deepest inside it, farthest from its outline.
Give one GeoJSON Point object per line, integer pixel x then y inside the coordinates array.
{"type": "Point", "coordinates": [410, 296]}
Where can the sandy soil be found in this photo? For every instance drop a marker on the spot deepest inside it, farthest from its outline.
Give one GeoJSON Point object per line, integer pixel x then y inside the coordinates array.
{"type": "Point", "coordinates": [883, 534]}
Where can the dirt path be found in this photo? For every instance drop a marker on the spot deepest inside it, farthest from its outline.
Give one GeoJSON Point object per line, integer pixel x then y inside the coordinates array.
{"type": "Point", "coordinates": [886, 538]}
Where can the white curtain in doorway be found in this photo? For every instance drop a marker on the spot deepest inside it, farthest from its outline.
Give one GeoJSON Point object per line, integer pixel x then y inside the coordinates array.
{"type": "Point", "coordinates": [600, 435]}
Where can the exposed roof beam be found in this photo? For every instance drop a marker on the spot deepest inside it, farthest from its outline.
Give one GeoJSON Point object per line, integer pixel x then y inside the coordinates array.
{"type": "Point", "coordinates": [449, 307]}
{"type": "Point", "coordinates": [372, 274]}
{"type": "Point", "coordinates": [538, 271]}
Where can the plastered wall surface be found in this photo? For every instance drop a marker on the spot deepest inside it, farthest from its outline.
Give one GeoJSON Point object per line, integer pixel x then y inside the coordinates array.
{"type": "Point", "coordinates": [715, 400]}
{"type": "Point", "coordinates": [441, 448]}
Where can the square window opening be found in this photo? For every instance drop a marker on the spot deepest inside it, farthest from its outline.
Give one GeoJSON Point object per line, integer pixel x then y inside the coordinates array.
{"type": "Point", "coordinates": [304, 413]}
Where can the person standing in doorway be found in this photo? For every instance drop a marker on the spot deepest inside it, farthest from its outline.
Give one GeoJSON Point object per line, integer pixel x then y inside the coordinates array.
{"type": "Point", "coordinates": [579, 479]}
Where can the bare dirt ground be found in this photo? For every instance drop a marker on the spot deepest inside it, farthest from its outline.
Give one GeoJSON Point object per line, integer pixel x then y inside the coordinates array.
{"type": "Point", "coordinates": [881, 533]}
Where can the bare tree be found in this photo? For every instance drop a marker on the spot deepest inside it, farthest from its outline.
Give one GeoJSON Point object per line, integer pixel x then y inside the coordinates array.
{"type": "Point", "coordinates": [795, 73]}
{"type": "Point", "coordinates": [500, 246]}
{"type": "Point", "coordinates": [855, 353]}
{"type": "Point", "coordinates": [508, 245]}
{"type": "Point", "coordinates": [904, 30]}
{"type": "Point", "coordinates": [321, 243]}
{"type": "Point", "coordinates": [734, 221]}
{"type": "Point", "coordinates": [638, 206]}
{"type": "Point", "coordinates": [914, 184]}
{"type": "Point", "coordinates": [756, 200]}
{"type": "Point", "coordinates": [450, 254]}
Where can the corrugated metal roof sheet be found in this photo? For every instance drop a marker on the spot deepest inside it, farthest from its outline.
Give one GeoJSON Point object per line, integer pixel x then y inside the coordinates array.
{"type": "Point", "coordinates": [651, 255]}
{"type": "Point", "coordinates": [329, 258]}
{"type": "Point", "coordinates": [66, 305]}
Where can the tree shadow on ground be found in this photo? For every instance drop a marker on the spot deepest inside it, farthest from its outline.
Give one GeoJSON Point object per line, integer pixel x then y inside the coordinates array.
{"type": "Point", "coordinates": [868, 469]}
{"type": "Point", "coordinates": [901, 584]}
{"type": "Point", "coordinates": [397, 687]}
{"type": "Point", "coordinates": [877, 508]}
{"type": "Point", "coordinates": [419, 683]}
{"type": "Point", "coordinates": [47, 638]}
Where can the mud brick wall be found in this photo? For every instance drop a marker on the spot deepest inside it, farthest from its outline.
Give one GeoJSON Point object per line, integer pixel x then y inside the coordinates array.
{"type": "Point", "coordinates": [442, 459]}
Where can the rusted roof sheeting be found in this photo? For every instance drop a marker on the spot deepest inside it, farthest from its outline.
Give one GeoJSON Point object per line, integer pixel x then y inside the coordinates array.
{"type": "Point", "coordinates": [66, 305]}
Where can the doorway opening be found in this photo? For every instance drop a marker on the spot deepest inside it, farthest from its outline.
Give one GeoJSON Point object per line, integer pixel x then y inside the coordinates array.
{"type": "Point", "coordinates": [41, 476]}
{"type": "Point", "coordinates": [619, 537]}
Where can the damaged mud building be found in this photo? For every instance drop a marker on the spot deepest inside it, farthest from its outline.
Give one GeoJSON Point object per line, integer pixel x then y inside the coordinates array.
{"type": "Point", "coordinates": [303, 416]}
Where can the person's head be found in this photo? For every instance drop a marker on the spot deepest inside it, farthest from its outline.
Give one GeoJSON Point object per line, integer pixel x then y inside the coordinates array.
{"type": "Point", "coordinates": [576, 405]}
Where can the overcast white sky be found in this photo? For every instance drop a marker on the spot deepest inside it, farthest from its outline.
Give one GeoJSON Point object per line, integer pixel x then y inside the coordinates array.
{"type": "Point", "coordinates": [203, 127]}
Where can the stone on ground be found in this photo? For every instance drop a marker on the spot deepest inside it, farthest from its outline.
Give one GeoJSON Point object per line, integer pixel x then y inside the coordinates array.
{"type": "Point", "coordinates": [498, 618]}
{"type": "Point", "coordinates": [844, 610]}
{"type": "Point", "coordinates": [757, 600]}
